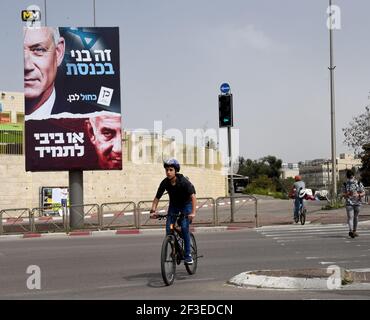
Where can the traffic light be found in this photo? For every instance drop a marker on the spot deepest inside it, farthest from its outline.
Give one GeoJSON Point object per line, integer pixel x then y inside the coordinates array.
{"type": "Point", "coordinates": [225, 110]}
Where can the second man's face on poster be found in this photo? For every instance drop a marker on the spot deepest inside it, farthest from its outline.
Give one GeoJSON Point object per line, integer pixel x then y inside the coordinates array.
{"type": "Point", "coordinates": [105, 134]}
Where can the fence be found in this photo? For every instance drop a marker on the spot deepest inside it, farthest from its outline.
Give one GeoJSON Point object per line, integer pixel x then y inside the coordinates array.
{"type": "Point", "coordinates": [367, 193]}
{"type": "Point", "coordinates": [11, 138]}
{"type": "Point", "coordinates": [50, 219]}
{"type": "Point", "coordinates": [143, 213]}
{"type": "Point", "coordinates": [210, 212]}
{"type": "Point", "coordinates": [87, 216]}
{"type": "Point", "coordinates": [118, 214]}
{"type": "Point", "coordinates": [16, 221]}
{"type": "Point", "coordinates": [245, 210]}
{"type": "Point", "coordinates": [206, 212]}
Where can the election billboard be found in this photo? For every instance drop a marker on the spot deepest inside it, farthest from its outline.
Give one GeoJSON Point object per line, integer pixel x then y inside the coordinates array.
{"type": "Point", "coordinates": [72, 99]}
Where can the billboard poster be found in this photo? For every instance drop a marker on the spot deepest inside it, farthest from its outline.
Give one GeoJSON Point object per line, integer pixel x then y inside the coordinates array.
{"type": "Point", "coordinates": [72, 99]}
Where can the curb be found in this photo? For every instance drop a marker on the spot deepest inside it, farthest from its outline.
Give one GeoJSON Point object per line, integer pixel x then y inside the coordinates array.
{"type": "Point", "coordinates": [246, 279]}
{"type": "Point", "coordinates": [108, 233]}
{"type": "Point", "coordinates": [357, 279]}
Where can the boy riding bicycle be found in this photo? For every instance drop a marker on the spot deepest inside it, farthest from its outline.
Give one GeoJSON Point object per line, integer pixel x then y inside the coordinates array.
{"type": "Point", "coordinates": [182, 200]}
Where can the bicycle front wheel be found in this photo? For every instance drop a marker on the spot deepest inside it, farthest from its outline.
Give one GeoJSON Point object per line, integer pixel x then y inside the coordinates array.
{"type": "Point", "coordinates": [192, 268]}
{"type": "Point", "coordinates": [302, 216]}
{"type": "Point", "coordinates": [168, 260]}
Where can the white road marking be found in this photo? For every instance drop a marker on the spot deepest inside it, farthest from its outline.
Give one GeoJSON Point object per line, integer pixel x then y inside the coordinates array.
{"type": "Point", "coordinates": [341, 261]}
{"type": "Point", "coordinates": [287, 238]}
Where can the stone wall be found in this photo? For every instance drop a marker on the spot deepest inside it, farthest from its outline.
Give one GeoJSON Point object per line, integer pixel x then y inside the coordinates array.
{"type": "Point", "coordinates": [136, 182]}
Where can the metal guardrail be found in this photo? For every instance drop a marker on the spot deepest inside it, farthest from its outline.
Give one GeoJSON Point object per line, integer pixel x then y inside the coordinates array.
{"type": "Point", "coordinates": [88, 216]}
{"type": "Point", "coordinates": [50, 219]}
{"type": "Point", "coordinates": [118, 214]}
{"type": "Point", "coordinates": [367, 194]}
{"type": "Point", "coordinates": [143, 213]}
{"type": "Point", "coordinates": [206, 212]}
{"type": "Point", "coordinates": [241, 210]}
{"type": "Point", "coordinates": [15, 222]}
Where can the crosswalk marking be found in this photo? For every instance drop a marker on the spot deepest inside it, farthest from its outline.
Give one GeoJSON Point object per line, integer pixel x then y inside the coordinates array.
{"type": "Point", "coordinates": [313, 232]}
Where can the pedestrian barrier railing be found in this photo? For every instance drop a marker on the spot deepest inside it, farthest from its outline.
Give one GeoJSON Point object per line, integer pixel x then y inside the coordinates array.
{"type": "Point", "coordinates": [143, 213]}
{"type": "Point", "coordinates": [206, 212]}
{"type": "Point", "coordinates": [87, 216]}
{"type": "Point", "coordinates": [50, 219]}
{"type": "Point", "coordinates": [118, 214]}
{"type": "Point", "coordinates": [367, 193]}
{"type": "Point", "coordinates": [15, 220]}
{"type": "Point", "coordinates": [128, 214]}
{"type": "Point", "coordinates": [245, 210]}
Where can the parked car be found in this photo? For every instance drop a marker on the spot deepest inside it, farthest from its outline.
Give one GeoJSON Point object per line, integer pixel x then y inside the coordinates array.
{"type": "Point", "coordinates": [321, 194]}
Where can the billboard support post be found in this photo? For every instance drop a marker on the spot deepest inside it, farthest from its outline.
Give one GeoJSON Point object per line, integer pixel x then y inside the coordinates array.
{"type": "Point", "coordinates": [76, 199]}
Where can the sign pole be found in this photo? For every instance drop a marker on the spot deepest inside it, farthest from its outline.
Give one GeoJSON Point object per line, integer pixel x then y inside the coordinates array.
{"type": "Point", "coordinates": [226, 120]}
{"type": "Point", "coordinates": [76, 197]}
{"type": "Point", "coordinates": [231, 185]}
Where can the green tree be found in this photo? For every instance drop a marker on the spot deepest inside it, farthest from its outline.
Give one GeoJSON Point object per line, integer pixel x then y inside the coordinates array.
{"type": "Point", "coordinates": [357, 134]}
{"type": "Point", "coordinates": [268, 166]}
{"type": "Point", "coordinates": [286, 184]}
{"type": "Point", "coordinates": [365, 169]}
{"type": "Point", "coordinates": [263, 182]}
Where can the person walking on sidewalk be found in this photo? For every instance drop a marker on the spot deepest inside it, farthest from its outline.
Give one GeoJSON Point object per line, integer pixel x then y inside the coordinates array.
{"type": "Point", "coordinates": [182, 200]}
{"type": "Point", "coordinates": [294, 193]}
{"type": "Point", "coordinates": [352, 191]}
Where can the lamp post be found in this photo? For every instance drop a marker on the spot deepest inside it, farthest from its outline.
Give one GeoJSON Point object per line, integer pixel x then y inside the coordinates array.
{"type": "Point", "coordinates": [332, 108]}
{"type": "Point", "coordinates": [368, 123]}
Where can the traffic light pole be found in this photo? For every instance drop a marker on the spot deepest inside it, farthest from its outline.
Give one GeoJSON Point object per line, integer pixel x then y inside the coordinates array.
{"type": "Point", "coordinates": [225, 109]}
{"type": "Point", "coordinates": [231, 185]}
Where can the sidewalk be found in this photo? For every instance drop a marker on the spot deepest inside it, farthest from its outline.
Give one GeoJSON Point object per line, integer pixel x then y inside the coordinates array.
{"type": "Point", "coordinates": [280, 212]}
{"type": "Point", "coordinates": [270, 212]}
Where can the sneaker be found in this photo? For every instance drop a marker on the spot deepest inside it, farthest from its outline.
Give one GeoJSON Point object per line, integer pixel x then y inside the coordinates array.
{"type": "Point", "coordinates": [189, 260]}
{"type": "Point", "coordinates": [351, 234]}
{"type": "Point", "coordinates": [355, 234]}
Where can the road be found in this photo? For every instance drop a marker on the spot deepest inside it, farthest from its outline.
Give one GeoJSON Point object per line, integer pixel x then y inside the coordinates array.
{"type": "Point", "coordinates": [128, 267]}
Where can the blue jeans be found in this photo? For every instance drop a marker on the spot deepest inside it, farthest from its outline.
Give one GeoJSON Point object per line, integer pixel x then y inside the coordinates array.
{"type": "Point", "coordinates": [171, 218]}
{"type": "Point", "coordinates": [352, 217]}
{"type": "Point", "coordinates": [298, 203]}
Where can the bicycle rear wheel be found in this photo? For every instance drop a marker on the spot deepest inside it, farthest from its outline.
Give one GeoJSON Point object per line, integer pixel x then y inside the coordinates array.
{"type": "Point", "coordinates": [192, 268]}
{"type": "Point", "coordinates": [168, 260]}
{"type": "Point", "coordinates": [302, 216]}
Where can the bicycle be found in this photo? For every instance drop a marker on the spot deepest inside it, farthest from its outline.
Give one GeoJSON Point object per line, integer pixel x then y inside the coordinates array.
{"type": "Point", "coordinates": [302, 208]}
{"type": "Point", "coordinates": [172, 252]}
{"type": "Point", "coordinates": [302, 213]}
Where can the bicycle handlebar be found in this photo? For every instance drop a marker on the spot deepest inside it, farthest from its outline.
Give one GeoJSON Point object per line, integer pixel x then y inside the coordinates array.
{"type": "Point", "coordinates": [164, 216]}
{"type": "Point", "coordinates": [161, 216]}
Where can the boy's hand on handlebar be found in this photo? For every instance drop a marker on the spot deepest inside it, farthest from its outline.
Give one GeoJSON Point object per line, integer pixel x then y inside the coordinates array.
{"type": "Point", "coordinates": [153, 214]}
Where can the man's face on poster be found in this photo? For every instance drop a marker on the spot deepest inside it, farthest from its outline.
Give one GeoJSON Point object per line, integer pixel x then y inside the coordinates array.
{"type": "Point", "coordinates": [42, 56]}
{"type": "Point", "coordinates": [105, 134]}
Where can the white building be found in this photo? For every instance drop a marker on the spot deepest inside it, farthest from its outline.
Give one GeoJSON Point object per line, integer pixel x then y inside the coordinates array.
{"type": "Point", "coordinates": [318, 174]}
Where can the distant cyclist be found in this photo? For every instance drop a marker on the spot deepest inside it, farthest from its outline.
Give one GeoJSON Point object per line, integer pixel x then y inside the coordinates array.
{"type": "Point", "coordinates": [298, 186]}
{"type": "Point", "coordinates": [182, 199]}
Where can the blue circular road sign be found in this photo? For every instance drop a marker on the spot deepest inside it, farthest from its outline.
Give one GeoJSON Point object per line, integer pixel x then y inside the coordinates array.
{"type": "Point", "coordinates": [225, 88]}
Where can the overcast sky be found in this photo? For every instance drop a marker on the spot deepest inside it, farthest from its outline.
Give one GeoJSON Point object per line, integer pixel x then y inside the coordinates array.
{"type": "Point", "coordinates": [176, 53]}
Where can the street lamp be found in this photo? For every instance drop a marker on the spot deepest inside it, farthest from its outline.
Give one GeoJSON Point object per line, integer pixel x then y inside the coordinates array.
{"type": "Point", "coordinates": [332, 106]}
{"type": "Point", "coordinates": [368, 123]}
